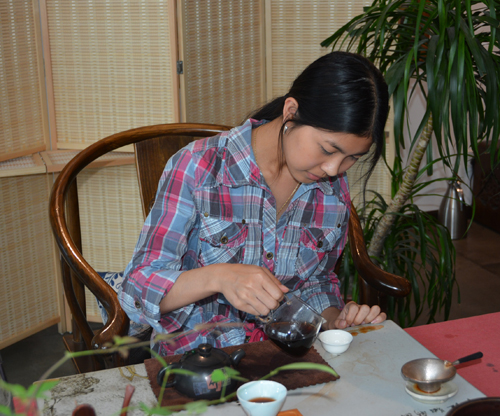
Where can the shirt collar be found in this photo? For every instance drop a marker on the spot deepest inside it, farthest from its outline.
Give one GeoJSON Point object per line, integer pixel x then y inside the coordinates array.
{"type": "Point", "coordinates": [240, 167]}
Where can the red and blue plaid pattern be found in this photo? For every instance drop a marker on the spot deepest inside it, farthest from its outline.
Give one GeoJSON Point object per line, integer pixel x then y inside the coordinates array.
{"type": "Point", "coordinates": [214, 206]}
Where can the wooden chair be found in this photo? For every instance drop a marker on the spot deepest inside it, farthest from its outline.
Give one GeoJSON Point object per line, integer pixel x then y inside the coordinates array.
{"type": "Point", "coordinates": [154, 145]}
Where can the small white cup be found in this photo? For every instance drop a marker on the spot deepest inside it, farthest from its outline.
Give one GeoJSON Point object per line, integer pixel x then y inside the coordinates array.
{"type": "Point", "coordinates": [262, 389]}
{"type": "Point", "coordinates": [335, 341]}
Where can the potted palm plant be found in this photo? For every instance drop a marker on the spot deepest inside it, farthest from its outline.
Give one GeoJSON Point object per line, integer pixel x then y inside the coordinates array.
{"type": "Point", "coordinates": [448, 52]}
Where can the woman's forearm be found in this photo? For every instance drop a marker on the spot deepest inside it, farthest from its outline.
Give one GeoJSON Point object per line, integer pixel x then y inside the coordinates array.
{"type": "Point", "coordinates": [191, 286]}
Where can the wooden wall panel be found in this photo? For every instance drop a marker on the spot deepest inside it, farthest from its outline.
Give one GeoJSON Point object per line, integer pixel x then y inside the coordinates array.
{"type": "Point", "coordinates": [111, 219]}
{"type": "Point", "coordinates": [22, 118]}
{"type": "Point", "coordinates": [29, 299]}
{"type": "Point", "coordinates": [294, 31]}
{"type": "Point", "coordinates": [223, 55]}
{"type": "Point", "coordinates": [113, 67]}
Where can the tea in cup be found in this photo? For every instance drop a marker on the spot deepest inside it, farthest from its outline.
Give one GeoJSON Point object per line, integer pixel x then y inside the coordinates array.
{"type": "Point", "coordinates": [262, 398]}
{"type": "Point", "coordinates": [293, 326]}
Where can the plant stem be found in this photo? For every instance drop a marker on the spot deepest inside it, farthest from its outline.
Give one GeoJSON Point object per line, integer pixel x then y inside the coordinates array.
{"type": "Point", "coordinates": [384, 226]}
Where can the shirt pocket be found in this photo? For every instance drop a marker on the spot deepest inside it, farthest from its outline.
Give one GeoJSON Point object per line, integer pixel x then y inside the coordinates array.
{"type": "Point", "coordinates": [222, 241]}
{"type": "Point", "coordinates": [314, 245]}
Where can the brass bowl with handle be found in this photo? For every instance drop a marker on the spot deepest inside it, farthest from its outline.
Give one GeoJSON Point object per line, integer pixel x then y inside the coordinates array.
{"type": "Point", "coordinates": [429, 373]}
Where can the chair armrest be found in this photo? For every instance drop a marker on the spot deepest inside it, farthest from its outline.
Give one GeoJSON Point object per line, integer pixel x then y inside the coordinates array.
{"type": "Point", "coordinates": [118, 322]}
{"type": "Point", "coordinates": [374, 276]}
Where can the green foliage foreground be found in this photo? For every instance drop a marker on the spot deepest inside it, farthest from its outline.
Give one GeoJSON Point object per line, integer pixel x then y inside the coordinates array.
{"type": "Point", "coordinates": [122, 346]}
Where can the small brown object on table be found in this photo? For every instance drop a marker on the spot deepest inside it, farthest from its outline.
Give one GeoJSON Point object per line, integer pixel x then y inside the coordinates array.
{"type": "Point", "coordinates": [261, 358]}
{"type": "Point", "coordinates": [292, 412]}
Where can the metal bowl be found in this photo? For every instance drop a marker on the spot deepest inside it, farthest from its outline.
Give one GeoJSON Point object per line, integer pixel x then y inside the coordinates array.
{"type": "Point", "coordinates": [428, 373]}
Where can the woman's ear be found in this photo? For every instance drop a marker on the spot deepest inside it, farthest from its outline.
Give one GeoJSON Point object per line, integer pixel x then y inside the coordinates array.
{"type": "Point", "coordinates": [290, 108]}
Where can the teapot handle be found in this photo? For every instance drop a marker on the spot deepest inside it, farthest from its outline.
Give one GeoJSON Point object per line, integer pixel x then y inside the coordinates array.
{"type": "Point", "coordinates": [237, 355]}
{"type": "Point", "coordinates": [162, 372]}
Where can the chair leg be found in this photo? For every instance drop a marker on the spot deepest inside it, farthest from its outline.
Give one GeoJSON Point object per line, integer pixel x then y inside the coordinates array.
{"type": "Point", "coordinates": [5, 396]}
{"type": "Point", "coordinates": [2, 371]}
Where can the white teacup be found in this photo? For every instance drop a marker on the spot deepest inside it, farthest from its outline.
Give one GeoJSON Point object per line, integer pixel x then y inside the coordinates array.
{"type": "Point", "coordinates": [262, 398]}
{"type": "Point", "coordinates": [335, 341]}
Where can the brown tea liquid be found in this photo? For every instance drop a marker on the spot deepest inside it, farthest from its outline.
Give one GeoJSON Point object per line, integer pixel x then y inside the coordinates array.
{"type": "Point", "coordinates": [295, 338]}
{"type": "Point", "coordinates": [262, 400]}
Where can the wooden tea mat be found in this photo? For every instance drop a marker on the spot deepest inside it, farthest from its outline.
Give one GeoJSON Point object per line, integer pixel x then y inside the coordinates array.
{"type": "Point", "coordinates": [260, 359]}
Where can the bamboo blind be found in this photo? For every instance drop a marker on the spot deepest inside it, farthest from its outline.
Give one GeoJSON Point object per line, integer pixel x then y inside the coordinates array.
{"type": "Point", "coordinates": [112, 66]}
{"type": "Point", "coordinates": [21, 113]}
{"type": "Point", "coordinates": [111, 215]}
{"type": "Point", "coordinates": [294, 31]}
{"type": "Point", "coordinates": [28, 283]}
{"type": "Point", "coordinates": [111, 219]}
{"type": "Point", "coordinates": [24, 165]}
{"type": "Point", "coordinates": [223, 55]}
{"type": "Point", "coordinates": [56, 160]}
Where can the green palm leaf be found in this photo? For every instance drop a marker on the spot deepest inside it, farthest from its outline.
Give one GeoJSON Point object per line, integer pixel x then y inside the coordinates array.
{"type": "Point", "coordinates": [446, 51]}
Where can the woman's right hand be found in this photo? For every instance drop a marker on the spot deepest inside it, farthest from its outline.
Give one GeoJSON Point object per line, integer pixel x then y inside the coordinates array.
{"type": "Point", "coordinates": [249, 288]}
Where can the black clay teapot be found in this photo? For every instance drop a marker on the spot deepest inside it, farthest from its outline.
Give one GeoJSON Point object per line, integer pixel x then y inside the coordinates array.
{"type": "Point", "coordinates": [202, 361]}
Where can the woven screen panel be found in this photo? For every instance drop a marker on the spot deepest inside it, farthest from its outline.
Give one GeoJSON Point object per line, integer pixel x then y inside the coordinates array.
{"type": "Point", "coordinates": [223, 60]}
{"type": "Point", "coordinates": [28, 286]}
{"type": "Point", "coordinates": [21, 117]}
{"type": "Point", "coordinates": [18, 163]}
{"type": "Point", "coordinates": [112, 67]}
{"type": "Point", "coordinates": [111, 219]}
{"type": "Point", "coordinates": [66, 156]}
{"type": "Point", "coordinates": [297, 28]}
{"type": "Point", "coordinates": [110, 215]}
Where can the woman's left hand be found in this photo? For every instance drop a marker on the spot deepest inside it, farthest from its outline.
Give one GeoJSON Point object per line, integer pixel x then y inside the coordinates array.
{"type": "Point", "coordinates": [354, 314]}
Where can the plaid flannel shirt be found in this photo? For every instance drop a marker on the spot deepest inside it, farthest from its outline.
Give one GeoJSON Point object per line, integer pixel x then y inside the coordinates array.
{"type": "Point", "coordinates": [214, 206]}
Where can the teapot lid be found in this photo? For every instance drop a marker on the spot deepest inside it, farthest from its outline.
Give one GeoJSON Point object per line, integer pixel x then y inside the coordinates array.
{"type": "Point", "coordinates": [206, 356]}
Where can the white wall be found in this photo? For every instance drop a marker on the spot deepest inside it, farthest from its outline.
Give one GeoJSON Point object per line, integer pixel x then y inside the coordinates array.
{"type": "Point", "coordinates": [432, 202]}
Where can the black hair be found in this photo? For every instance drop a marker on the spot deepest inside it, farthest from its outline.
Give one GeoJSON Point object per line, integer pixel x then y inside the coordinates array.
{"type": "Point", "coordinates": [340, 92]}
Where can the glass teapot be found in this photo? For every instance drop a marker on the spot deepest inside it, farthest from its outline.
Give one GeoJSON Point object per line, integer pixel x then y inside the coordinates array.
{"type": "Point", "coordinates": [293, 326]}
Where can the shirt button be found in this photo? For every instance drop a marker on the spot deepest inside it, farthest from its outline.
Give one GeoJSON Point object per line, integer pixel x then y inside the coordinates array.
{"type": "Point", "coordinates": [137, 304]}
{"type": "Point", "coordinates": [243, 222]}
{"type": "Point", "coordinates": [269, 256]}
{"type": "Point", "coordinates": [320, 244]}
{"type": "Point", "coordinates": [339, 225]}
{"type": "Point", "coordinates": [224, 240]}
{"type": "Point", "coordinates": [206, 214]}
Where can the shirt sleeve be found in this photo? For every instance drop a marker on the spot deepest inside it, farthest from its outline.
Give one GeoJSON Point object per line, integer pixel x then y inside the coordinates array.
{"type": "Point", "coordinates": [157, 260]}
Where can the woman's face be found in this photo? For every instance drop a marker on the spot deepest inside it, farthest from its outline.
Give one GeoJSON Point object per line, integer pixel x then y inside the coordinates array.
{"type": "Point", "coordinates": [312, 154]}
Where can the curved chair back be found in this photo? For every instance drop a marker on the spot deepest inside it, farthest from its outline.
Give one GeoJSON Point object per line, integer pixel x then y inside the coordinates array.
{"type": "Point", "coordinates": [166, 139]}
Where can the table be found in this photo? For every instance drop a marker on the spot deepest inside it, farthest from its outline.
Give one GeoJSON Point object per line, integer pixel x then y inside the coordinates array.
{"type": "Point", "coordinates": [451, 340]}
{"type": "Point", "coordinates": [370, 383]}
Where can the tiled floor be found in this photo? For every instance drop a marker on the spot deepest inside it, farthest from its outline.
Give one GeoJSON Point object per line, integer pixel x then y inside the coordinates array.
{"type": "Point", "coordinates": [478, 274]}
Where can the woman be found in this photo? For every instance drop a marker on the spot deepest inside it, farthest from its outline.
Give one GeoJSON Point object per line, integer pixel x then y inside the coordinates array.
{"type": "Point", "coordinates": [244, 217]}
